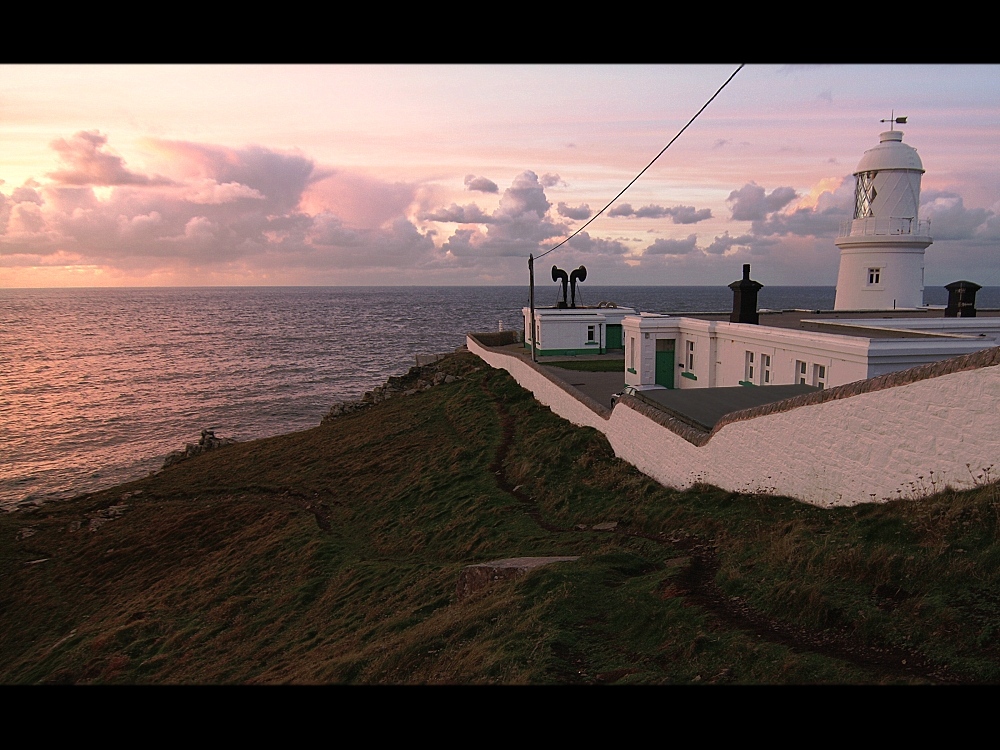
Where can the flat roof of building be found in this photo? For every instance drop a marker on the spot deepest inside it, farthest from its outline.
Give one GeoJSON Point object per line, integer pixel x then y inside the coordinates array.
{"type": "Point", "coordinates": [825, 321]}
{"type": "Point", "coordinates": [704, 407]}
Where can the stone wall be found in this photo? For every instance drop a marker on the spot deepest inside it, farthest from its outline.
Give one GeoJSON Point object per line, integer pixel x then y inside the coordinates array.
{"type": "Point", "coordinates": [901, 435]}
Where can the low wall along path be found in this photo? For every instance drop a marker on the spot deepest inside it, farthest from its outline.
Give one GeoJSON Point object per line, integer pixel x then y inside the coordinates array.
{"type": "Point", "coordinates": [901, 435]}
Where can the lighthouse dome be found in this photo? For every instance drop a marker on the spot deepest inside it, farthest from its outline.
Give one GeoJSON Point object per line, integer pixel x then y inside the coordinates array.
{"type": "Point", "coordinates": [890, 153]}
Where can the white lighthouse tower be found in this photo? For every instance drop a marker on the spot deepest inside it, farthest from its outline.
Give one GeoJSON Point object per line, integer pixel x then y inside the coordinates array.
{"type": "Point", "coordinates": [882, 247]}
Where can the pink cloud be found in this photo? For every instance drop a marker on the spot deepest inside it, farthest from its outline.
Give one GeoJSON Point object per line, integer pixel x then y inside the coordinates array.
{"type": "Point", "coordinates": [279, 178]}
{"type": "Point", "coordinates": [208, 191]}
{"type": "Point", "coordinates": [360, 201]}
{"type": "Point", "coordinates": [88, 163]}
{"type": "Point", "coordinates": [516, 227]}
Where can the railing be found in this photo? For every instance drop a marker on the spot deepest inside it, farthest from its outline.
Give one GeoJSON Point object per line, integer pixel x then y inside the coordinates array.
{"type": "Point", "coordinates": [872, 226]}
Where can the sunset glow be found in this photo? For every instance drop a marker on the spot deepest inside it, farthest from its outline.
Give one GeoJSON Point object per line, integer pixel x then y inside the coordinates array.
{"type": "Point", "coordinates": [354, 174]}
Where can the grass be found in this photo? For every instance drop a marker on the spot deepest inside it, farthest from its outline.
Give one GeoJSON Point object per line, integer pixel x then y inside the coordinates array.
{"type": "Point", "coordinates": [333, 554]}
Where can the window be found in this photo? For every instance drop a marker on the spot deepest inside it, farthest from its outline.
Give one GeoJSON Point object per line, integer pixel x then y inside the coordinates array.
{"type": "Point", "coordinates": [819, 376]}
{"type": "Point", "coordinates": [800, 372]}
{"type": "Point", "coordinates": [590, 334]}
{"type": "Point", "coordinates": [874, 276]}
{"type": "Point", "coordinates": [864, 195]}
{"type": "Point", "coordinates": [765, 369]}
{"type": "Point", "coordinates": [690, 355]}
{"type": "Point", "coordinates": [748, 369]}
{"type": "Point", "coordinates": [631, 353]}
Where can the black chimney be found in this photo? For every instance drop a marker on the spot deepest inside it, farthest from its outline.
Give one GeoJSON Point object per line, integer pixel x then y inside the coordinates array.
{"type": "Point", "coordinates": [745, 298]}
{"type": "Point", "coordinates": [961, 299]}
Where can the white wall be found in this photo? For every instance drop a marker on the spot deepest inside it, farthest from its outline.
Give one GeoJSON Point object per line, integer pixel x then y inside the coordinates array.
{"type": "Point", "coordinates": [901, 275]}
{"type": "Point", "coordinates": [544, 388]}
{"type": "Point", "coordinates": [844, 357]}
{"type": "Point", "coordinates": [567, 328]}
{"type": "Point", "coordinates": [899, 441]}
{"type": "Point", "coordinates": [721, 347]}
{"type": "Point", "coordinates": [720, 352]}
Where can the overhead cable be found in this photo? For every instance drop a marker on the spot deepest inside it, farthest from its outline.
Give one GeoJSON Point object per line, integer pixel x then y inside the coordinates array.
{"type": "Point", "coordinates": [703, 108]}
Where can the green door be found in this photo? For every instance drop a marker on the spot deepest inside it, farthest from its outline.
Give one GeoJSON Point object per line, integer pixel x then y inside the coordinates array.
{"type": "Point", "coordinates": [613, 337]}
{"type": "Point", "coordinates": [665, 362]}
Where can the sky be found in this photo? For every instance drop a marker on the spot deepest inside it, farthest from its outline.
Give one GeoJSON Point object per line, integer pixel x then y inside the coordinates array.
{"type": "Point", "coordinates": [217, 175]}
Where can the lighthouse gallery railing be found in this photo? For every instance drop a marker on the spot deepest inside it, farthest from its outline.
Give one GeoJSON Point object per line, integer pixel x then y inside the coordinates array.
{"type": "Point", "coordinates": [873, 226]}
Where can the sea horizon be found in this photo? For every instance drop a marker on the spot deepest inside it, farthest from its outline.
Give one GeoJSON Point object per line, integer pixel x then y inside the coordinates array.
{"type": "Point", "coordinates": [99, 384]}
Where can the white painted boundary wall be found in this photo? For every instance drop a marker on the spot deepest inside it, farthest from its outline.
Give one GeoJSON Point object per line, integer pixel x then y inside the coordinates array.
{"type": "Point", "coordinates": [899, 441]}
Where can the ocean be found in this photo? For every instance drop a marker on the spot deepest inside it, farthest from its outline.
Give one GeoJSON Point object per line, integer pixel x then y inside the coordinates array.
{"type": "Point", "coordinates": [97, 386]}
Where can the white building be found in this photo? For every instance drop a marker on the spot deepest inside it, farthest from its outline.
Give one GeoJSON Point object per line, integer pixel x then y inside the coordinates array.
{"type": "Point", "coordinates": [568, 330]}
{"type": "Point", "coordinates": [821, 350]}
{"type": "Point", "coordinates": [882, 247]}
{"type": "Point", "coordinates": [575, 331]}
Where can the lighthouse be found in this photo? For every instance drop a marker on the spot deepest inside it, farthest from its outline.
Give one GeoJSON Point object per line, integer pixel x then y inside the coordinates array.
{"type": "Point", "coordinates": [882, 246]}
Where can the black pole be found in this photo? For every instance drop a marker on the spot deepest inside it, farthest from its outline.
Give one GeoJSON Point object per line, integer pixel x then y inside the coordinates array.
{"type": "Point", "coordinates": [531, 303]}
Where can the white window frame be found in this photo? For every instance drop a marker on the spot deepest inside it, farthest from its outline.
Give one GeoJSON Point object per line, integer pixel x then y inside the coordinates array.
{"type": "Point", "coordinates": [821, 374]}
{"type": "Point", "coordinates": [875, 276]}
{"type": "Point", "coordinates": [765, 369]}
{"type": "Point", "coordinates": [690, 355]}
{"type": "Point", "coordinates": [748, 368]}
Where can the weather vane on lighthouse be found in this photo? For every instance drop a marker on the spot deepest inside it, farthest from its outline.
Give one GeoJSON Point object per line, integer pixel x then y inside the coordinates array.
{"type": "Point", "coordinates": [893, 120]}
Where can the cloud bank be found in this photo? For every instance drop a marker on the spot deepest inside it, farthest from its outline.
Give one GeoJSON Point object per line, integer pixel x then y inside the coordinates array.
{"type": "Point", "coordinates": [209, 213]}
{"type": "Point", "coordinates": [678, 214]}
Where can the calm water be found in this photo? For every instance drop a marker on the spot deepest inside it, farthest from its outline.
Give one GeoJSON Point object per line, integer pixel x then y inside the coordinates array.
{"type": "Point", "coordinates": [98, 385]}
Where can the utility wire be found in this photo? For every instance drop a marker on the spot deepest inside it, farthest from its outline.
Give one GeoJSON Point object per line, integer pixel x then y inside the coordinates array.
{"type": "Point", "coordinates": [704, 107]}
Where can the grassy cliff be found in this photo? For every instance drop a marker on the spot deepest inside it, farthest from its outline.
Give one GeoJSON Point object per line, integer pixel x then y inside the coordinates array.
{"type": "Point", "coordinates": [332, 555]}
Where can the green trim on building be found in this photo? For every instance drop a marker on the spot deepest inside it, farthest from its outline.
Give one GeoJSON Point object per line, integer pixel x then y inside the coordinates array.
{"type": "Point", "coordinates": [747, 382]}
{"type": "Point", "coordinates": [689, 375]}
{"type": "Point", "coordinates": [629, 369]}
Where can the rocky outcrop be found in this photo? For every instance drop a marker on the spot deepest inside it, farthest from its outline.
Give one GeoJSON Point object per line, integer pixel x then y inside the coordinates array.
{"type": "Point", "coordinates": [419, 378]}
{"type": "Point", "coordinates": [207, 442]}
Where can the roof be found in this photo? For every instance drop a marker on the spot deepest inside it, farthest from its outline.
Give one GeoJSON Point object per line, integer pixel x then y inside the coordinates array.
{"type": "Point", "coordinates": [703, 407]}
{"type": "Point", "coordinates": [825, 321]}
{"type": "Point", "coordinates": [890, 153]}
